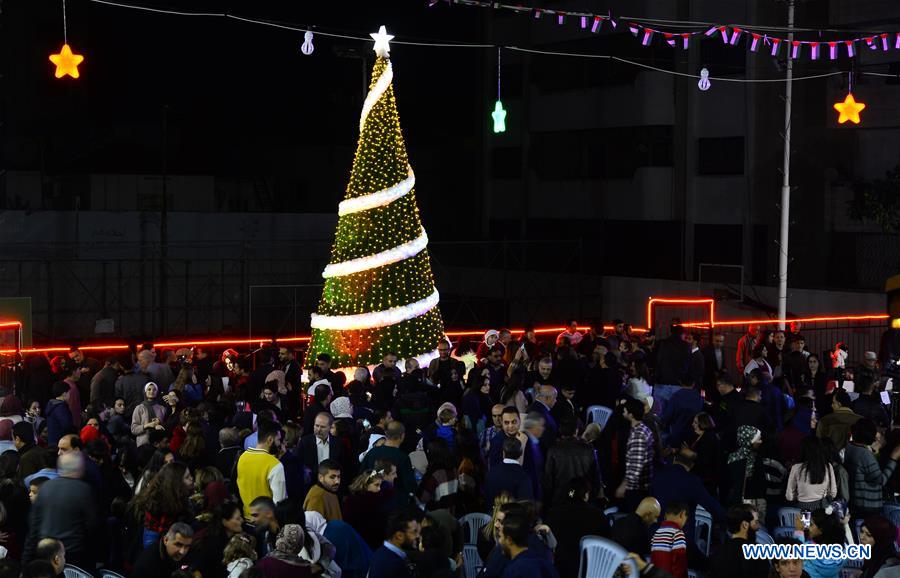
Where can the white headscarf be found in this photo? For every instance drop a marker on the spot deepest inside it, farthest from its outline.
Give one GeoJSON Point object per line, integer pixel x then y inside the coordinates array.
{"type": "Point", "coordinates": [372, 439]}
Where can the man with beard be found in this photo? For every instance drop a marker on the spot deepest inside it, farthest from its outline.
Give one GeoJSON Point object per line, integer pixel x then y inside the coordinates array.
{"type": "Point", "coordinates": [259, 471]}
{"type": "Point", "coordinates": [166, 555]}
{"type": "Point", "coordinates": [513, 539]}
{"type": "Point", "coordinates": [322, 497]}
{"type": "Point", "coordinates": [441, 366]}
{"type": "Point", "coordinates": [729, 560]}
{"type": "Point", "coordinates": [401, 535]}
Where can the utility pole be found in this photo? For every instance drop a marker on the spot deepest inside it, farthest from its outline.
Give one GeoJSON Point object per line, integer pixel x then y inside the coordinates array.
{"type": "Point", "coordinates": [786, 179]}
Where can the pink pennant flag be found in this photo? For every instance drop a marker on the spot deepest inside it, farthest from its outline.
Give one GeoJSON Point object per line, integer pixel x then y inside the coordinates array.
{"type": "Point", "coordinates": [897, 43]}
{"type": "Point", "coordinates": [670, 39]}
{"type": "Point", "coordinates": [795, 49]}
{"type": "Point", "coordinates": [870, 42]}
{"type": "Point", "coordinates": [851, 50]}
{"type": "Point", "coordinates": [537, 12]}
{"type": "Point", "coordinates": [596, 25]}
{"type": "Point", "coordinates": [686, 40]}
{"type": "Point", "coordinates": [884, 42]}
{"type": "Point", "coordinates": [648, 36]}
{"type": "Point", "coordinates": [754, 44]}
{"type": "Point", "coordinates": [814, 50]}
{"type": "Point", "coordinates": [561, 18]}
{"type": "Point", "coordinates": [832, 50]}
{"type": "Point", "coordinates": [776, 44]}
{"type": "Point", "coordinates": [583, 22]}
{"type": "Point", "coordinates": [711, 31]}
{"type": "Point", "coordinates": [735, 36]}
{"type": "Point", "coordinates": [724, 31]}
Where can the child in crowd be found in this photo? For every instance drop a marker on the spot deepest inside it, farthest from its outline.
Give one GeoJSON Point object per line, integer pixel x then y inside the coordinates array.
{"type": "Point", "coordinates": [239, 554]}
{"type": "Point", "coordinates": [668, 549]}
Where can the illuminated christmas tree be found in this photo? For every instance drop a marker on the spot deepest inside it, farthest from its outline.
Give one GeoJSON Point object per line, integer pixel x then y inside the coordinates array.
{"type": "Point", "coordinates": [379, 293]}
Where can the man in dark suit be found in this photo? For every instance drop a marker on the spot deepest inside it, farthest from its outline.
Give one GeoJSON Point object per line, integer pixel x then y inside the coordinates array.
{"type": "Point", "coordinates": [320, 445]}
{"type": "Point", "coordinates": [322, 393]}
{"type": "Point", "coordinates": [565, 406]}
{"type": "Point", "coordinates": [672, 357]}
{"type": "Point", "coordinates": [528, 459]}
{"type": "Point", "coordinates": [714, 364]}
{"type": "Point", "coordinates": [752, 412]}
{"type": "Point", "coordinates": [632, 531]}
{"type": "Point", "coordinates": [697, 364]}
{"type": "Point", "coordinates": [675, 482]}
{"type": "Point", "coordinates": [544, 402]}
{"type": "Point", "coordinates": [508, 476]}
{"type": "Point", "coordinates": [402, 534]}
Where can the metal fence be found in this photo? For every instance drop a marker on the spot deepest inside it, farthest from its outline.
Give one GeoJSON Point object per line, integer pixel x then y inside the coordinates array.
{"type": "Point", "coordinates": [481, 284]}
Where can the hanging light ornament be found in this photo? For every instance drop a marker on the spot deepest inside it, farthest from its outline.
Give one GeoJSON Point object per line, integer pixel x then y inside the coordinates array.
{"type": "Point", "coordinates": [65, 60]}
{"type": "Point", "coordinates": [704, 84]}
{"type": "Point", "coordinates": [499, 114]}
{"type": "Point", "coordinates": [307, 47]}
{"type": "Point", "coordinates": [849, 109]}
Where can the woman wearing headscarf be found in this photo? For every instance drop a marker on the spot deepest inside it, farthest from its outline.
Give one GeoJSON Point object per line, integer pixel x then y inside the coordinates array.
{"type": "Point", "coordinates": [148, 415]}
{"type": "Point", "coordinates": [880, 534]}
{"type": "Point", "coordinates": [748, 482]}
{"type": "Point", "coordinates": [353, 555]}
{"type": "Point", "coordinates": [285, 561]}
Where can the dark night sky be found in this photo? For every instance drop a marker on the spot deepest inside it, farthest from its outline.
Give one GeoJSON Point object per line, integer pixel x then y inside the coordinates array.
{"type": "Point", "coordinates": [242, 98]}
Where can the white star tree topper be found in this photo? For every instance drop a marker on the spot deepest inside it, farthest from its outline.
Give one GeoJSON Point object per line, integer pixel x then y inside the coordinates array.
{"type": "Point", "coordinates": [382, 38]}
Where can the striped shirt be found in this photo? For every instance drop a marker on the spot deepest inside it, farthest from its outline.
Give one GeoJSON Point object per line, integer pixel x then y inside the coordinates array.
{"type": "Point", "coordinates": [668, 549]}
{"type": "Point", "coordinates": [639, 458]}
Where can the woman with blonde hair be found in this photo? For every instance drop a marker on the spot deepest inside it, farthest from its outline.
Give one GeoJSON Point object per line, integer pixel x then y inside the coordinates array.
{"type": "Point", "coordinates": [239, 554]}
{"type": "Point", "coordinates": [366, 506]}
{"type": "Point", "coordinates": [487, 537]}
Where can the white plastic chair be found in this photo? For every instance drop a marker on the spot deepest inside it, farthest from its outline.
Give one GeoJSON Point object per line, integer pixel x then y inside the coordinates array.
{"type": "Point", "coordinates": [763, 537]}
{"type": "Point", "coordinates": [599, 414]}
{"type": "Point", "coordinates": [784, 532]}
{"type": "Point", "coordinates": [75, 572]}
{"type": "Point", "coordinates": [788, 516]}
{"type": "Point", "coordinates": [471, 561]}
{"type": "Point", "coordinates": [471, 524]}
{"type": "Point", "coordinates": [600, 558]}
{"type": "Point", "coordinates": [703, 524]}
{"type": "Point", "coordinates": [109, 574]}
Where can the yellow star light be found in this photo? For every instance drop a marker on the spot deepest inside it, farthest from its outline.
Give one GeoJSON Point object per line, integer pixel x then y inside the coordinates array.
{"type": "Point", "coordinates": [66, 62]}
{"type": "Point", "coordinates": [849, 109]}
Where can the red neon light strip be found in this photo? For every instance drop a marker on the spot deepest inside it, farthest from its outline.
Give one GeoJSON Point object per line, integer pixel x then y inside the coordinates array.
{"type": "Point", "coordinates": [805, 319]}
{"type": "Point", "coordinates": [470, 333]}
{"type": "Point", "coordinates": [254, 341]}
{"type": "Point", "coordinates": [681, 301]}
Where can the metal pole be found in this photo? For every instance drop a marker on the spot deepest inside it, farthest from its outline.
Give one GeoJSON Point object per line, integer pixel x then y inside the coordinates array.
{"type": "Point", "coordinates": [164, 225]}
{"type": "Point", "coordinates": [786, 180]}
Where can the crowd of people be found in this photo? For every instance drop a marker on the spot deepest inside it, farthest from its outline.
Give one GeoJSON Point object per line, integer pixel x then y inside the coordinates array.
{"type": "Point", "coordinates": [191, 463]}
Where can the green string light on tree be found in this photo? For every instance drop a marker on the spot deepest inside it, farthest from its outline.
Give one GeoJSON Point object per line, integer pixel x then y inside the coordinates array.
{"type": "Point", "coordinates": [379, 293]}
